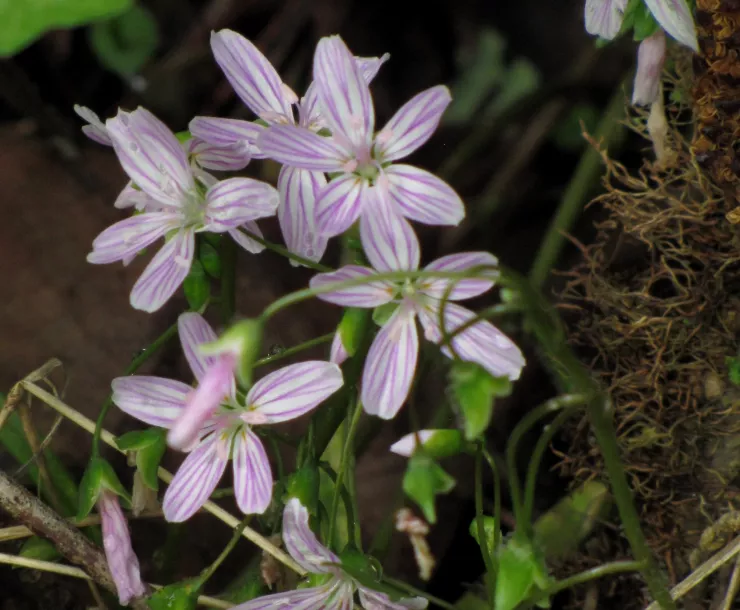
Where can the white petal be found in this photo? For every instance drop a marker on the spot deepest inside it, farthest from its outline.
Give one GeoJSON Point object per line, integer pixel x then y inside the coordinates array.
{"type": "Point", "coordinates": [302, 543]}
{"type": "Point", "coordinates": [126, 238]}
{"type": "Point", "coordinates": [368, 294]}
{"type": "Point", "coordinates": [675, 17]}
{"type": "Point", "coordinates": [459, 263]}
{"type": "Point", "coordinates": [154, 400]}
{"type": "Point", "coordinates": [604, 17]}
{"type": "Point", "coordinates": [252, 474]}
{"type": "Point", "coordinates": [423, 197]}
{"type": "Point", "coordinates": [234, 201]}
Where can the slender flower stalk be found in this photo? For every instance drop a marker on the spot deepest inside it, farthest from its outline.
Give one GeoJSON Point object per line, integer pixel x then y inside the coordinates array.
{"type": "Point", "coordinates": [262, 90]}
{"type": "Point", "coordinates": [122, 561]}
{"type": "Point", "coordinates": [215, 424]}
{"type": "Point", "coordinates": [357, 157]}
{"type": "Point", "coordinates": [391, 361]}
{"type": "Point", "coordinates": [338, 589]}
{"type": "Point", "coordinates": [180, 203]}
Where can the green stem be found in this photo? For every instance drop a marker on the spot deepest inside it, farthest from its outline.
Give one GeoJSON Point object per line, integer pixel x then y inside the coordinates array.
{"type": "Point", "coordinates": [399, 584]}
{"type": "Point", "coordinates": [136, 363]}
{"type": "Point", "coordinates": [607, 569]}
{"type": "Point", "coordinates": [609, 132]}
{"type": "Point", "coordinates": [228, 278]}
{"type": "Point", "coordinates": [492, 576]}
{"type": "Point", "coordinates": [282, 251]}
{"type": "Point", "coordinates": [548, 329]}
{"type": "Point", "coordinates": [480, 522]}
{"type": "Point", "coordinates": [346, 456]}
{"type": "Point", "coordinates": [208, 572]}
{"type": "Point", "coordinates": [291, 351]}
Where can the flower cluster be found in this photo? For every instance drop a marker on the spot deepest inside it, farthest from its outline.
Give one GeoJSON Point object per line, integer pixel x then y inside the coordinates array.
{"type": "Point", "coordinates": [337, 170]}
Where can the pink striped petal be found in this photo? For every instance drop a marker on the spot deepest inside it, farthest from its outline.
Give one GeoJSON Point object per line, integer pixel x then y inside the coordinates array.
{"type": "Point", "coordinates": [165, 273]}
{"type": "Point", "coordinates": [133, 197]}
{"type": "Point", "coordinates": [390, 365]}
{"type": "Point", "coordinates": [292, 391]}
{"type": "Point", "coordinates": [218, 157]}
{"type": "Point", "coordinates": [154, 400]}
{"type": "Point", "coordinates": [388, 240]}
{"type": "Point", "coordinates": [650, 60]}
{"type": "Point", "coordinates": [234, 201]}
{"type": "Point", "coordinates": [246, 242]}
{"type": "Point", "coordinates": [367, 295]}
{"type": "Point", "coordinates": [369, 66]}
{"type": "Point", "coordinates": [196, 479]}
{"type": "Point", "coordinates": [413, 124]}
{"type": "Point", "coordinates": [406, 445]}
{"type": "Point", "coordinates": [194, 331]}
{"type": "Point", "coordinates": [297, 211]}
{"type": "Point", "coordinates": [302, 543]}
{"type": "Point", "coordinates": [675, 17]}
{"type": "Point", "coordinates": [127, 237]}
{"type": "Point", "coordinates": [604, 17]}
{"type": "Point", "coordinates": [423, 197]}
{"type": "Point", "coordinates": [459, 263]}
{"type": "Point", "coordinates": [346, 104]}
{"type": "Point", "coordinates": [374, 600]}
{"type": "Point", "coordinates": [252, 474]}
{"type": "Point", "coordinates": [313, 598]}
{"type": "Point", "coordinates": [95, 130]}
{"type": "Point", "coordinates": [215, 388]}
{"type": "Point", "coordinates": [252, 76]}
{"type": "Point", "coordinates": [482, 343]}
{"type": "Point", "coordinates": [300, 147]}
{"type": "Point", "coordinates": [340, 204]}
{"type": "Point", "coordinates": [309, 111]}
{"type": "Point", "coordinates": [228, 132]}
{"type": "Point", "coordinates": [338, 354]}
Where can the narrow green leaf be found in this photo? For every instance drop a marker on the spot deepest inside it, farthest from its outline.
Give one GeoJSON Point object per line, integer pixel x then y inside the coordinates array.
{"type": "Point", "coordinates": [304, 485]}
{"type": "Point", "coordinates": [489, 527]}
{"type": "Point", "coordinates": [39, 548]}
{"type": "Point", "coordinates": [210, 260]}
{"type": "Point", "coordinates": [197, 286]}
{"type": "Point", "coordinates": [148, 459]}
{"type": "Point", "coordinates": [352, 327]}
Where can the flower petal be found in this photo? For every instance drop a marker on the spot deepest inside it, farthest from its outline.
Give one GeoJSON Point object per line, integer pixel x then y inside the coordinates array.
{"type": "Point", "coordinates": [650, 59]}
{"type": "Point", "coordinates": [234, 201]}
{"type": "Point", "coordinates": [95, 130]}
{"type": "Point", "coordinates": [216, 387]}
{"type": "Point", "coordinates": [462, 289]}
{"type": "Point", "coordinates": [338, 353]}
{"type": "Point", "coordinates": [297, 214]}
{"type": "Point", "coordinates": [369, 294]}
{"type": "Point", "coordinates": [228, 132]}
{"type": "Point", "coordinates": [302, 543]}
{"type": "Point", "coordinates": [674, 16]}
{"type": "Point", "coordinates": [128, 237]}
{"type": "Point", "coordinates": [165, 273]}
{"type": "Point", "coordinates": [482, 343]}
{"type": "Point", "coordinates": [369, 66]}
{"type": "Point", "coordinates": [390, 365]}
{"type": "Point", "coordinates": [292, 391]}
{"type": "Point", "coordinates": [246, 242]}
{"type": "Point", "coordinates": [252, 76]}
{"type": "Point", "coordinates": [413, 124]}
{"type": "Point", "coordinates": [133, 197]}
{"type": "Point", "coordinates": [194, 331]}
{"type": "Point", "coordinates": [154, 400]}
{"type": "Point", "coordinates": [218, 157]}
{"type": "Point", "coordinates": [374, 600]}
{"type": "Point", "coordinates": [196, 479]}
{"type": "Point", "coordinates": [346, 104]}
{"type": "Point", "coordinates": [389, 242]}
{"type": "Point", "coordinates": [340, 204]}
{"type": "Point", "coordinates": [423, 197]}
{"type": "Point", "coordinates": [252, 474]}
{"type": "Point", "coordinates": [604, 17]}
{"type": "Point", "coordinates": [313, 598]}
{"type": "Point", "coordinates": [300, 147]}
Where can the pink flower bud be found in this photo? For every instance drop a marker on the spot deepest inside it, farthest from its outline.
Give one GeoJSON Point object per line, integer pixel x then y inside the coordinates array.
{"type": "Point", "coordinates": [123, 564]}
{"type": "Point", "coordinates": [650, 59]}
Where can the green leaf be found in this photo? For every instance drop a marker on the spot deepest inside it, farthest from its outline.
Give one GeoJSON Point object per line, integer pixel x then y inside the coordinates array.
{"type": "Point", "coordinates": [99, 476]}
{"type": "Point", "coordinates": [383, 313]}
{"type": "Point", "coordinates": [521, 573]}
{"type": "Point", "coordinates": [139, 439]}
{"type": "Point", "coordinates": [733, 369]}
{"type": "Point", "coordinates": [362, 569]}
{"type": "Point", "coordinates": [148, 459]}
{"type": "Point", "coordinates": [22, 21]}
{"type": "Point", "coordinates": [197, 286]}
{"type": "Point", "coordinates": [444, 443]}
{"type": "Point", "coordinates": [125, 43]}
{"type": "Point", "coordinates": [645, 24]}
{"type": "Point", "coordinates": [489, 528]}
{"type": "Point", "coordinates": [210, 260]}
{"type": "Point", "coordinates": [304, 485]}
{"type": "Point", "coordinates": [351, 328]}
{"type": "Point", "coordinates": [423, 481]}
{"type": "Point", "coordinates": [39, 548]}
{"type": "Point", "coordinates": [560, 530]}
{"type": "Point", "coordinates": [179, 596]}
{"type": "Point", "coordinates": [474, 390]}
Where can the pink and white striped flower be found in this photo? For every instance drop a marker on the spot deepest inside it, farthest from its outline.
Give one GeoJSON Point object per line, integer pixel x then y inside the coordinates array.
{"type": "Point", "coordinates": [391, 361]}
{"type": "Point", "coordinates": [337, 592]}
{"type": "Point", "coordinates": [224, 421]}
{"type": "Point", "coordinates": [604, 17]}
{"type": "Point", "coordinates": [650, 60]}
{"type": "Point", "coordinates": [181, 202]}
{"type": "Point", "coordinates": [262, 90]}
{"type": "Point", "coordinates": [122, 561]}
{"type": "Point", "coordinates": [358, 156]}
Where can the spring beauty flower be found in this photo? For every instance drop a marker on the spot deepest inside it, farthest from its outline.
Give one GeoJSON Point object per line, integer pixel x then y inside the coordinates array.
{"type": "Point", "coordinates": [122, 561]}
{"type": "Point", "coordinates": [391, 361]}
{"type": "Point", "coordinates": [650, 60]}
{"type": "Point", "coordinates": [357, 156]}
{"type": "Point", "coordinates": [220, 428]}
{"type": "Point", "coordinates": [260, 87]}
{"type": "Point", "coordinates": [183, 203]}
{"type": "Point", "coordinates": [337, 592]}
